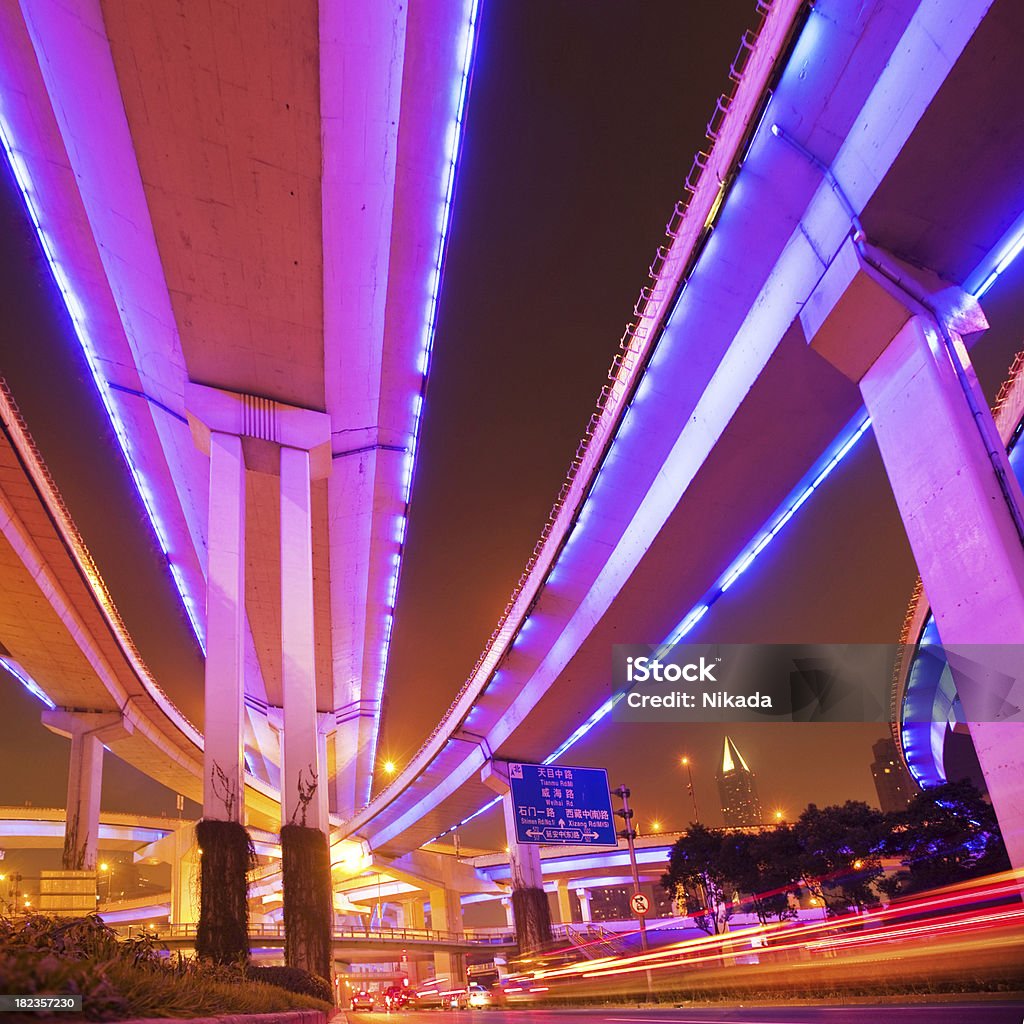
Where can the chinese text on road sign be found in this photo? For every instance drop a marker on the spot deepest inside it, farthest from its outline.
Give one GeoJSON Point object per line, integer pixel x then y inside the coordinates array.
{"type": "Point", "coordinates": [556, 804]}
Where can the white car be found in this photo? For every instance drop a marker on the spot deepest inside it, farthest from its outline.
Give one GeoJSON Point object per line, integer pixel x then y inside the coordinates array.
{"type": "Point", "coordinates": [479, 998]}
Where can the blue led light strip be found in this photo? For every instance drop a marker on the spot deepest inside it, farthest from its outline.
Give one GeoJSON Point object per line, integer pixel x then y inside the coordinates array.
{"type": "Point", "coordinates": [30, 684]}
{"type": "Point", "coordinates": [78, 321]}
{"type": "Point", "coordinates": [465, 48]}
{"type": "Point", "coordinates": [1010, 252]}
{"type": "Point", "coordinates": [840, 448]}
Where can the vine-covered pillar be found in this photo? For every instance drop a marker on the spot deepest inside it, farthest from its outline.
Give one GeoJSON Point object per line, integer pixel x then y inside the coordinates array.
{"type": "Point", "coordinates": [306, 867]}
{"type": "Point", "coordinates": [225, 849]}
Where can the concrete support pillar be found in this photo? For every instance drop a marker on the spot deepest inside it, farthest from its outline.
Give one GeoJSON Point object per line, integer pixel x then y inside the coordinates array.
{"type": "Point", "coordinates": [510, 917]}
{"type": "Point", "coordinates": [446, 916]}
{"type": "Point", "coordinates": [529, 901]}
{"type": "Point", "coordinates": [413, 913]}
{"type": "Point", "coordinates": [239, 430]}
{"type": "Point", "coordinates": [87, 731]}
{"type": "Point", "coordinates": [222, 932]}
{"type": "Point", "coordinates": [565, 897]}
{"type": "Point", "coordinates": [304, 789]}
{"type": "Point", "coordinates": [903, 345]}
{"type": "Point", "coordinates": [583, 895]}
{"type": "Point", "coordinates": [185, 866]}
{"type": "Point", "coordinates": [223, 792]}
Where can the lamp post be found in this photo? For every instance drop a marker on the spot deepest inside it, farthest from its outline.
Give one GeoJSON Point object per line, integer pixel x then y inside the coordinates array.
{"type": "Point", "coordinates": [686, 763]}
{"type": "Point", "coordinates": [15, 898]}
{"type": "Point", "coordinates": [107, 870]}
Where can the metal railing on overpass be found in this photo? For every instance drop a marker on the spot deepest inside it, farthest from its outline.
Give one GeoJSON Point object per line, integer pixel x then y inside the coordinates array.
{"type": "Point", "coordinates": [399, 936]}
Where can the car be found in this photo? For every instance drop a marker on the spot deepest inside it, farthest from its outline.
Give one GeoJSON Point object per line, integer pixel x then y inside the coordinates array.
{"type": "Point", "coordinates": [363, 1000]}
{"type": "Point", "coordinates": [478, 998]}
{"type": "Point", "coordinates": [395, 997]}
{"type": "Point", "coordinates": [427, 998]}
{"type": "Point", "coordinates": [474, 997]}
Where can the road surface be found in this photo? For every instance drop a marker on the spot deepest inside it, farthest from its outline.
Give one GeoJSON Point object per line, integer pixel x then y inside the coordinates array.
{"type": "Point", "coordinates": [936, 1013]}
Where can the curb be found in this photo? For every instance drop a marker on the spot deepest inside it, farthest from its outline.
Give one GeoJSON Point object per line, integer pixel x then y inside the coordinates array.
{"type": "Point", "coordinates": [284, 1017]}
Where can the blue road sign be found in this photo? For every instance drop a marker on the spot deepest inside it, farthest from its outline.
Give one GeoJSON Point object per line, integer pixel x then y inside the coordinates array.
{"type": "Point", "coordinates": [558, 804]}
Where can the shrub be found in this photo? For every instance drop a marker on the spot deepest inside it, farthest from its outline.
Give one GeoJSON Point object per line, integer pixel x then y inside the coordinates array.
{"type": "Point", "coordinates": [294, 979]}
{"type": "Point", "coordinates": [117, 979]}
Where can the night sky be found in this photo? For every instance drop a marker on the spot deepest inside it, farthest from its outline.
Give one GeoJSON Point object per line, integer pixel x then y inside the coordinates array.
{"type": "Point", "coordinates": [582, 123]}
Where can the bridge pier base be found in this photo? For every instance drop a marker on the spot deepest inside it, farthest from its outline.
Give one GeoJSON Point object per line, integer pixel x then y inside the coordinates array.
{"type": "Point", "coordinates": [879, 322]}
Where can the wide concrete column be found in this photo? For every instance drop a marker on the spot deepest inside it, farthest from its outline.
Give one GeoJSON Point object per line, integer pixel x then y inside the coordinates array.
{"type": "Point", "coordinates": [308, 901]}
{"type": "Point", "coordinates": [223, 933]}
{"type": "Point", "coordinates": [952, 482]}
{"type": "Point", "coordinates": [529, 901]}
{"type": "Point", "coordinates": [446, 916]}
{"type": "Point", "coordinates": [223, 789]}
{"type": "Point", "coordinates": [303, 785]}
{"type": "Point", "coordinates": [88, 731]}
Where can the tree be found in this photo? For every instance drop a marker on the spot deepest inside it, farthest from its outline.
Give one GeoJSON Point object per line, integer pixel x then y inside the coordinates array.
{"type": "Point", "coordinates": [765, 867]}
{"type": "Point", "coordinates": [840, 852]}
{"type": "Point", "coordinates": [947, 834]}
{"type": "Point", "coordinates": [695, 876]}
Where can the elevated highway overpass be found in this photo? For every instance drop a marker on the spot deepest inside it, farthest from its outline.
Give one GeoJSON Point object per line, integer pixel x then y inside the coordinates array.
{"type": "Point", "coordinates": [719, 418]}
{"type": "Point", "coordinates": [718, 421]}
{"type": "Point", "coordinates": [266, 220]}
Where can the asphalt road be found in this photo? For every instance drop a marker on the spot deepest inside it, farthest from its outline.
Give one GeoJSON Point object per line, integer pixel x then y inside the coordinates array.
{"type": "Point", "coordinates": [937, 1013]}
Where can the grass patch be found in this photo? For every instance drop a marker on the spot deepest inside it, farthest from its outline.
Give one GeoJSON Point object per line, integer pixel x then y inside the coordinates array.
{"type": "Point", "coordinates": [119, 979]}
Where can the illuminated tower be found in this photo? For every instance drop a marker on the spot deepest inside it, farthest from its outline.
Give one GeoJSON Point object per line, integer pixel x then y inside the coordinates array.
{"type": "Point", "coordinates": [737, 790]}
{"type": "Point", "coordinates": [893, 782]}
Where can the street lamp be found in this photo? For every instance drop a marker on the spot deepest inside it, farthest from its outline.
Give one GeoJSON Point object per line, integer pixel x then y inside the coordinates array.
{"type": "Point", "coordinates": [685, 762]}
{"type": "Point", "coordinates": [106, 869]}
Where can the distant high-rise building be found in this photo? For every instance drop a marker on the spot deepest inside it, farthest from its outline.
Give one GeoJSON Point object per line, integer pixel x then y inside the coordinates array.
{"type": "Point", "coordinates": [737, 790]}
{"type": "Point", "coordinates": [893, 782]}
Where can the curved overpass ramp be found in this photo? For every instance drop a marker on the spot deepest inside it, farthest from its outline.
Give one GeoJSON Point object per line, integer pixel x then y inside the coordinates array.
{"type": "Point", "coordinates": [717, 408]}
{"type": "Point", "coordinates": [60, 627]}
